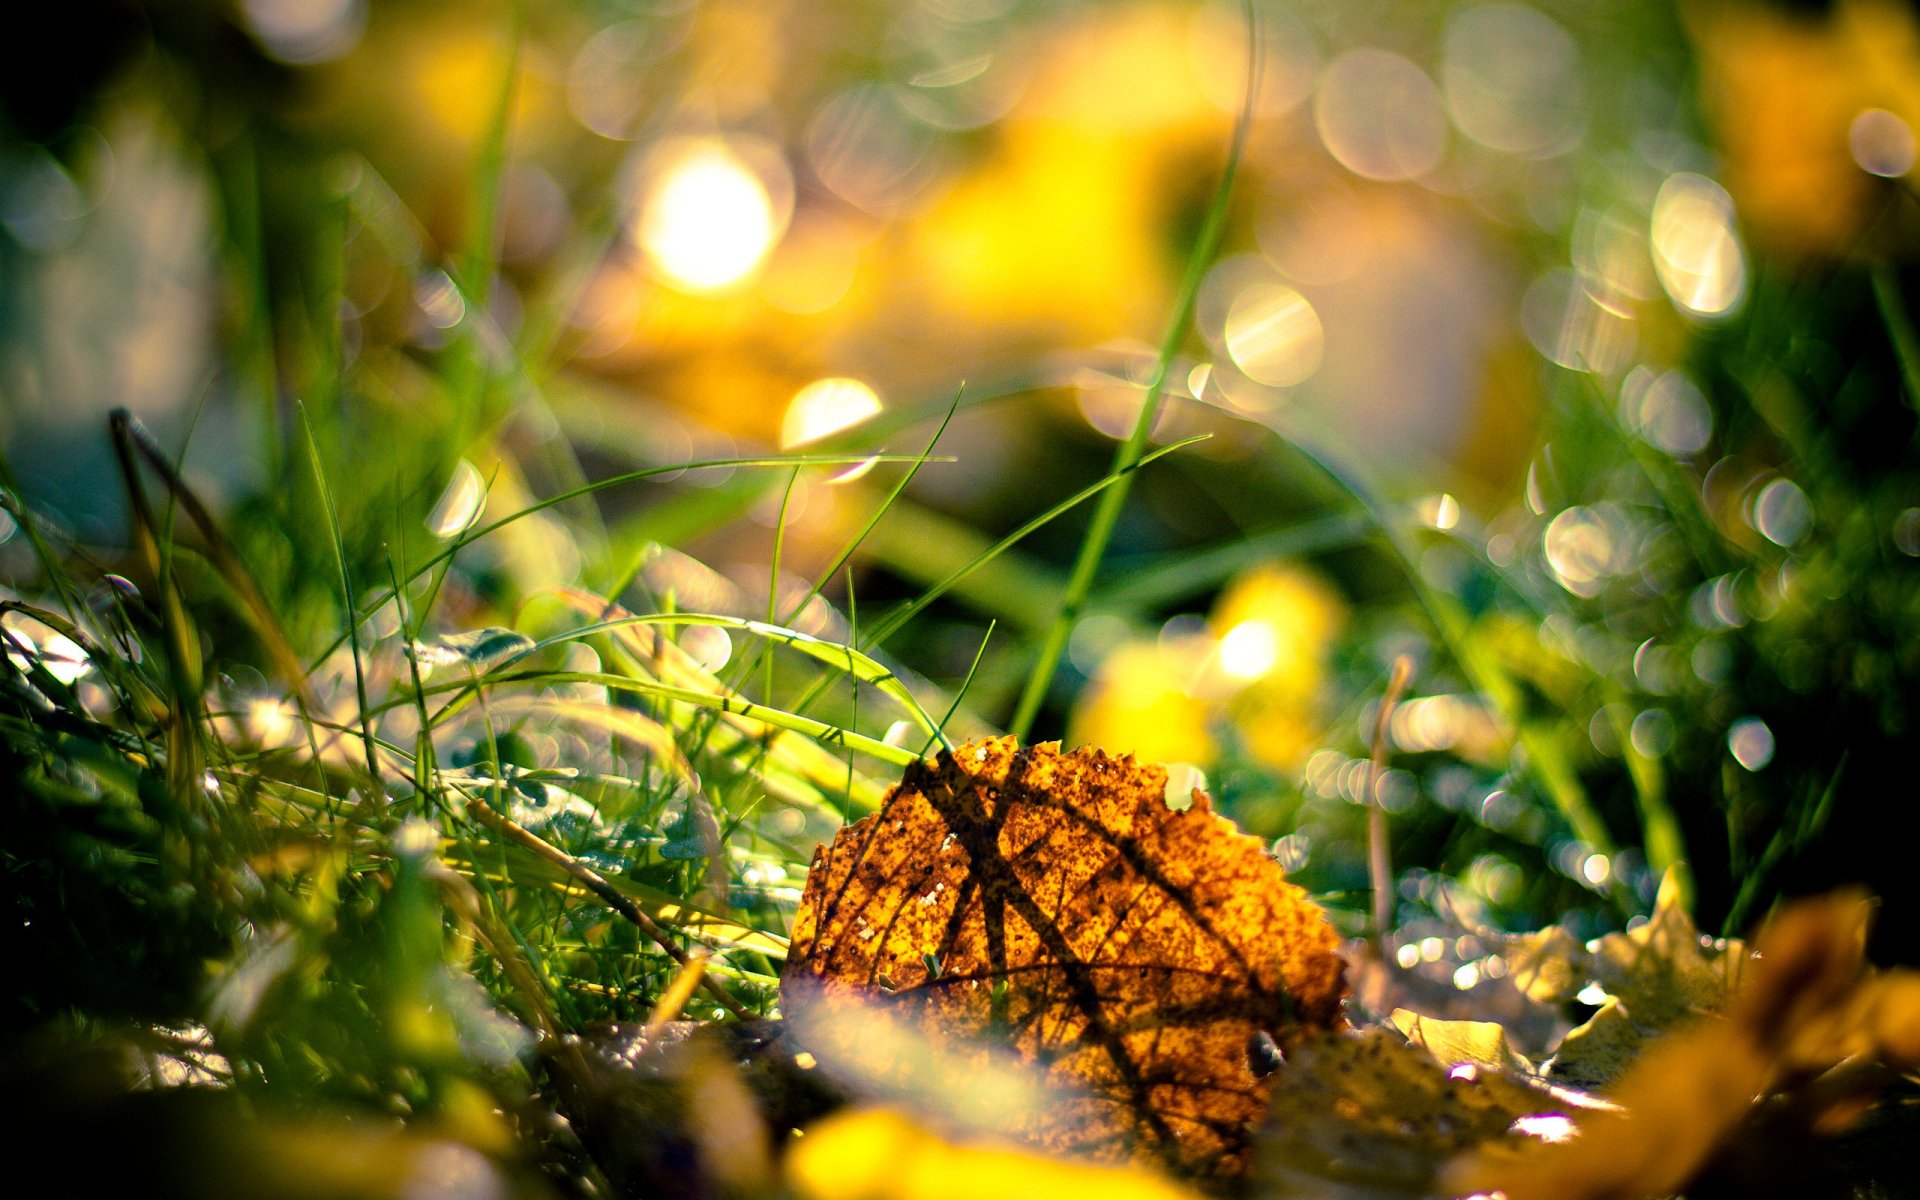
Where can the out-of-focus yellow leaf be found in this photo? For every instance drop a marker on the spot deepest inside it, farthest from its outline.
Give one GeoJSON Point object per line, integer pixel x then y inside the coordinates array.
{"type": "Point", "coordinates": [1258, 668]}
{"type": "Point", "coordinates": [1601, 1050]}
{"type": "Point", "coordinates": [877, 1154]}
{"type": "Point", "coordinates": [1290, 617]}
{"type": "Point", "coordinates": [1141, 702]}
{"type": "Point", "coordinates": [1783, 89]}
{"type": "Point", "coordinates": [1656, 977]}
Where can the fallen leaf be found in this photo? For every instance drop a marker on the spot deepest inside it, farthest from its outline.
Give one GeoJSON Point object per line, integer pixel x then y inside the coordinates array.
{"type": "Point", "coordinates": [1651, 979]}
{"type": "Point", "coordinates": [1053, 903]}
{"type": "Point", "coordinates": [1370, 1117]}
{"type": "Point", "coordinates": [1797, 1040]}
{"type": "Point", "coordinates": [1549, 967]}
{"type": "Point", "coordinates": [1482, 1043]}
{"type": "Point", "coordinates": [1666, 970]}
{"type": "Point", "coordinates": [1599, 1052]}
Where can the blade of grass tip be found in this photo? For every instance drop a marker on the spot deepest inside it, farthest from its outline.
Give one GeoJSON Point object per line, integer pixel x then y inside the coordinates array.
{"type": "Point", "coordinates": [1812, 821]}
{"type": "Point", "coordinates": [693, 513]}
{"type": "Point", "coordinates": [183, 651]}
{"type": "Point", "coordinates": [535, 973]}
{"type": "Point", "coordinates": [1105, 517]}
{"type": "Point", "coordinates": [659, 658]}
{"type": "Point", "coordinates": [220, 551]}
{"type": "Point", "coordinates": [862, 668]}
{"type": "Point", "coordinates": [1900, 331]}
{"type": "Point", "coordinates": [464, 900]}
{"type": "Point", "coordinates": [894, 621]}
{"type": "Point", "coordinates": [873, 519]}
{"type": "Point", "coordinates": [923, 546]}
{"type": "Point", "coordinates": [426, 763]}
{"type": "Point", "coordinates": [346, 597]}
{"type": "Point", "coordinates": [437, 578]}
{"type": "Point", "coordinates": [886, 505]}
{"type": "Point", "coordinates": [727, 702]}
{"type": "Point", "coordinates": [673, 1001]}
{"type": "Point", "coordinates": [960, 694]}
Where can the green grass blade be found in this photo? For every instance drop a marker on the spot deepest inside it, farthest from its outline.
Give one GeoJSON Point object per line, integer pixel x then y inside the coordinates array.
{"type": "Point", "coordinates": [820, 731]}
{"type": "Point", "coordinates": [899, 617]}
{"type": "Point", "coordinates": [473, 535]}
{"type": "Point", "coordinates": [1169, 578]}
{"type": "Point", "coordinates": [352, 635]}
{"type": "Point", "coordinates": [1900, 331]}
{"type": "Point", "coordinates": [1107, 515]}
{"type": "Point", "coordinates": [855, 664]}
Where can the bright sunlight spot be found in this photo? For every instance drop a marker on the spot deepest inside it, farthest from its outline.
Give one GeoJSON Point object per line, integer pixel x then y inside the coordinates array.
{"type": "Point", "coordinates": [826, 407]}
{"type": "Point", "coordinates": [1548, 1127]}
{"type": "Point", "coordinates": [1274, 335]}
{"type": "Point", "coordinates": [708, 220]}
{"type": "Point", "coordinates": [1249, 650]}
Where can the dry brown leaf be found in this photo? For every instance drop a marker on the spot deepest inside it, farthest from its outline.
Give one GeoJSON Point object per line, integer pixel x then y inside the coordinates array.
{"type": "Point", "coordinates": [1053, 903]}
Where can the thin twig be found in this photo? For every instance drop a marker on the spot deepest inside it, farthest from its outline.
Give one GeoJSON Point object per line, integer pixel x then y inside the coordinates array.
{"type": "Point", "coordinates": [1379, 857]}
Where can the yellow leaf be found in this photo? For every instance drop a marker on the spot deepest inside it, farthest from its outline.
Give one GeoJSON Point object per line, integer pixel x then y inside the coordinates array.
{"type": "Point", "coordinates": [877, 1154]}
{"type": "Point", "coordinates": [1451, 1043]}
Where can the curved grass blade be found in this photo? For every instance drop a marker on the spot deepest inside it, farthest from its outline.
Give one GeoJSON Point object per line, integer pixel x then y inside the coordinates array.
{"type": "Point", "coordinates": [893, 621]}
{"type": "Point", "coordinates": [367, 611]}
{"type": "Point", "coordinates": [858, 666]}
{"type": "Point", "coordinates": [820, 731]}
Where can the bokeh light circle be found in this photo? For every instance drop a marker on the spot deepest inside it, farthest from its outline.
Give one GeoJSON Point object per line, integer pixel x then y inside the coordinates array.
{"type": "Point", "coordinates": [1380, 116]}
